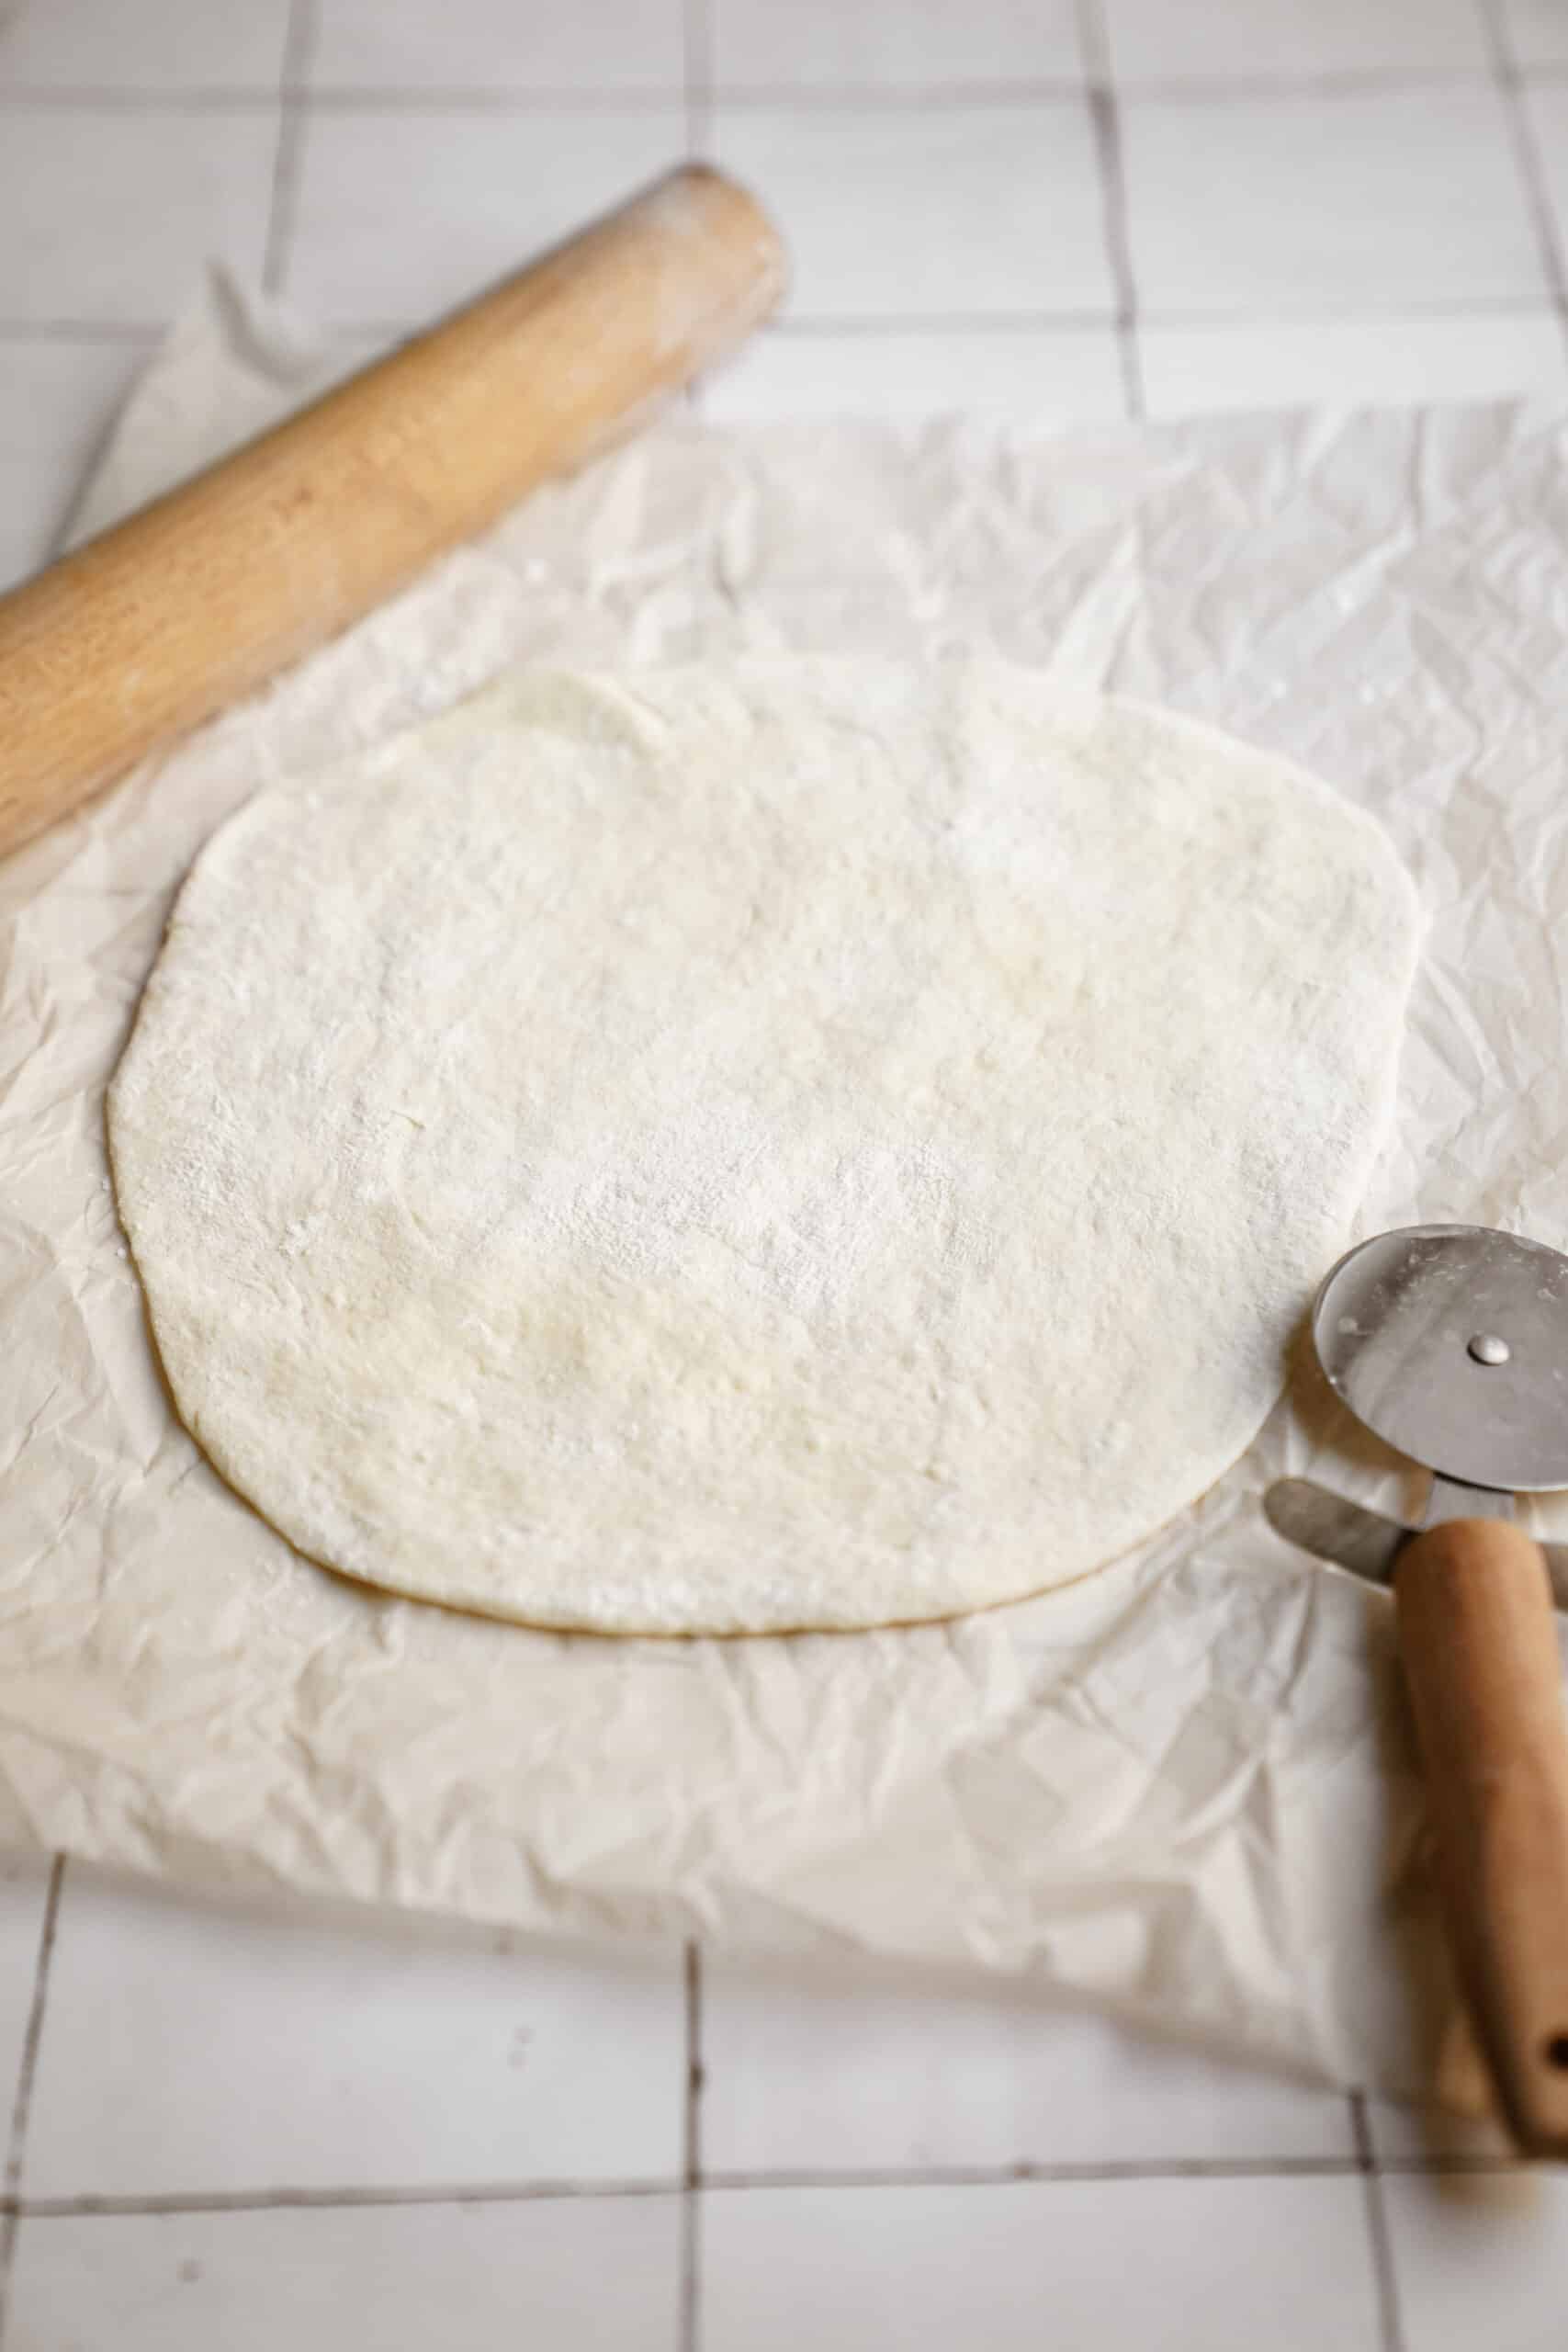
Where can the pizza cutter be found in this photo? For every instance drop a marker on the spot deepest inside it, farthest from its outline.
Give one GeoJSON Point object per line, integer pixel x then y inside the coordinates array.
{"type": "Point", "coordinates": [1450, 1342]}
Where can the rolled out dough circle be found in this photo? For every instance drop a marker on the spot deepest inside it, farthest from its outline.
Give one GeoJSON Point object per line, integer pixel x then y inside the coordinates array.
{"type": "Point", "coordinates": [799, 1145]}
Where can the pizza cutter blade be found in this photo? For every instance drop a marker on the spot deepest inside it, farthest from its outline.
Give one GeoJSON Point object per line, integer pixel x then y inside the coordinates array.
{"type": "Point", "coordinates": [1450, 1342]}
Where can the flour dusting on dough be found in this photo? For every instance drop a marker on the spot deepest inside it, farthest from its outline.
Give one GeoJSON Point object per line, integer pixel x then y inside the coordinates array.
{"type": "Point", "coordinates": [797, 1145]}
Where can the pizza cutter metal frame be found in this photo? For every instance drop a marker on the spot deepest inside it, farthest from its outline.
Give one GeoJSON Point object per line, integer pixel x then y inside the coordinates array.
{"type": "Point", "coordinates": [1450, 1342]}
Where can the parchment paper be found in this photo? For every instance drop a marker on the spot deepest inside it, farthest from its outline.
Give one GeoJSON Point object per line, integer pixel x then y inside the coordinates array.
{"type": "Point", "coordinates": [1182, 1788]}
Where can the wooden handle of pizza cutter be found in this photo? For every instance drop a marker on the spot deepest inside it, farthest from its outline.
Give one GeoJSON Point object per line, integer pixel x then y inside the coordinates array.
{"type": "Point", "coordinates": [1478, 1640]}
{"type": "Point", "coordinates": [153, 626]}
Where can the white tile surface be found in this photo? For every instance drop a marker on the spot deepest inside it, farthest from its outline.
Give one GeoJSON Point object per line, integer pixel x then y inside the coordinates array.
{"type": "Point", "coordinates": [490, 45]}
{"type": "Point", "coordinates": [892, 44]}
{"type": "Point", "coordinates": [1183, 2265]}
{"type": "Point", "coordinates": [812, 2076]}
{"type": "Point", "coordinates": [142, 44]}
{"type": "Point", "coordinates": [194, 2046]}
{"type": "Point", "coordinates": [1367, 202]}
{"type": "Point", "coordinates": [1537, 31]}
{"type": "Point", "coordinates": [580, 2275]}
{"type": "Point", "coordinates": [1481, 2260]}
{"type": "Point", "coordinates": [1405, 2131]}
{"type": "Point", "coordinates": [56, 400]}
{"type": "Point", "coordinates": [1041, 376]}
{"type": "Point", "coordinates": [110, 215]}
{"type": "Point", "coordinates": [1486, 356]}
{"type": "Point", "coordinates": [889, 212]}
{"type": "Point", "coordinates": [1242, 40]}
{"type": "Point", "coordinates": [400, 215]}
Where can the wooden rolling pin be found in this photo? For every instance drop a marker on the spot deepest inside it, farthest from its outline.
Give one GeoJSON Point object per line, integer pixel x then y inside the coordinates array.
{"type": "Point", "coordinates": [151, 628]}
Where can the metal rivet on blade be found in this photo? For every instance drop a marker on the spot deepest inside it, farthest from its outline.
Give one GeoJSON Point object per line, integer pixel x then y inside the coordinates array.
{"type": "Point", "coordinates": [1487, 1348]}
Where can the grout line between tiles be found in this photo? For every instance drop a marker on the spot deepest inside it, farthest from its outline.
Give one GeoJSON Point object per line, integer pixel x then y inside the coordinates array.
{"type": "Point", "coordinates": [1105, 119]}
{"type": "Point", "coordinates": [328, 99]}
{"type": "Point", "coordinates": [351, 98]}
{"type": "Point", "coordinates": [15, 2151]}
{"type": "Point", "coordinates": [348, 98]}
{"type": "Point", "coordinates": [912, 98]}
{"type": "Point", "coordinates": [21, 2106]}
{"type": "Point", "coordinates": [1389, 82]}
{"type": "Point", "coordinates": [273, 2200]}
{"type": "Point", "coordinates": [1057, 90]}
{"type": "Point", "coordinates": [689, 2328]}
{"type": "Point", "coordinates": [1391, 2331]}
{"type": "Point", "coordinates": [1527, 157]}
{"type": "Point", "coordinates": [1109, 2170]}
{"type": "Point", "coordinates": [108, 2207]}
{"type": "Point", "coordinates": [297, 42]}
{"type": "Point", "coordinates": [345, 99]}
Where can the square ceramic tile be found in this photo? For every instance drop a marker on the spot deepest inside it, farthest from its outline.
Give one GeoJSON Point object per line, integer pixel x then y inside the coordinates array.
{"type": "Point", "coordinates": [24, 1893]}
{"type": "Point", "coordinates": [1548, 107]}
{"type": "Point", "coordinates": [111, 215]}
{"type": "Point", "coordinates": [1186, 2266]}
{"type": "Point", "coordinates": [401, 215]}
{"type": "Point", "coordinates": [1299, 41]}
{"type": "Point", "coordinates": [56, 403]}
{"type": "Point", "coordinates": [150, 45]}
{"type": "Point", "coordinates": [591, 2274]}
{"type": "Point", "coordinates": [893, 212]}
{"type": "Point", "coordinates": [1374, 201]}
{"type": "Point", "coordinates": [1043, 375]}
{"type": "Point", "coordinates": [1295, 362]}
{"type": "Point", "coordinates": [496, 45]}
{"type": "Point", "coordinates": [1412, 2134]}
{"type": "Point", "coordinates": [1537, 31]}
{"type": "Point", "coordinates": [1479, 2259]}
{"type": "Point", "coordinates": [841, 2075]}
{"type": "Point", "coordinates": [191, 2046]}
{"type": "Point", "coordinates": [892, 44]}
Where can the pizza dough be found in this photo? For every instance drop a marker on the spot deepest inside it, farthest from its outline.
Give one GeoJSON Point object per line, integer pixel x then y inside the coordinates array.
{"type": "Point", "coordinates": [800, 1145]}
